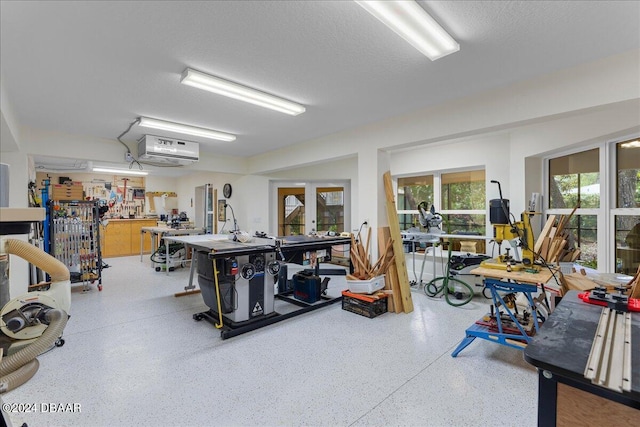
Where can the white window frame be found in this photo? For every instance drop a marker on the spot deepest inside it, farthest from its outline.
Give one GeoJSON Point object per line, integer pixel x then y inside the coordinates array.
{"type": "Point", "coordinates": [437, 193]}
{"type": "Point", "coordinates": [606, 213]}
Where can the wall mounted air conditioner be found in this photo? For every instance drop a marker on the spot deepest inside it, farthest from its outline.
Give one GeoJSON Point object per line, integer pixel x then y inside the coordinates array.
{"type": "Point", "coordinates": [168, 150]}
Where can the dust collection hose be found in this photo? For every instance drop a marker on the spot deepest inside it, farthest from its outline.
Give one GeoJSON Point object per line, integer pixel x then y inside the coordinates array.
{"type": "Point", "coordinates": [15, 369]}
{"type": "Point", "coordinates": [57, 270]}
{"type": "Point", "coordinates": [19, 367]}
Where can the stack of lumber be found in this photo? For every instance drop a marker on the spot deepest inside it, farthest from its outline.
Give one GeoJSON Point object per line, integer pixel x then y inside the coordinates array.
{"type": "Point", "coordinates": [397, 277]}
{"type": "Point", "coordinates": [554, 244]}
{"type": "Point", "coordinates": [362, 267]}
{"type": "Point", "coordinates": [580, 282]}
{"type": "Point", "coordinates": [634, 285]}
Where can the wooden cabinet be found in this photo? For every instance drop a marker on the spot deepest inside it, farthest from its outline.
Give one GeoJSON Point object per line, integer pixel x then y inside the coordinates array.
{"type": "Point", "coordinates": [122, 237]}
{"type": "Point", "coordinates": [136, 227]}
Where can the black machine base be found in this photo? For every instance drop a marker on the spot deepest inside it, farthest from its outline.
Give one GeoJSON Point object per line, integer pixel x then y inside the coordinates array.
{"type": "Point", "coordinates": [231, 329]}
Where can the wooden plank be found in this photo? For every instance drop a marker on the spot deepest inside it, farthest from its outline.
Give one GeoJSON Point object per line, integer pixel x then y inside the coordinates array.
{"type": "Point", "coordinates": [544, 250]}
{"type": "Point", "coordinates": [185, 293]}
{"type": "Point", "coordinates": [391, 277]}
{"type": "Point", "coordinates": [575, 255]}
{"type": "Point", "coordinates": [398, 249]}
{"type": "Point", "coordinates": [635, 285]}
{"type": "Point", "coordinates": [543, 234]}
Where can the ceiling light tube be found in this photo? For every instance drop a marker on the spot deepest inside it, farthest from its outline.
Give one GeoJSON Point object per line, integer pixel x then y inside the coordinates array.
{"type": "Point", "coordinates": [120, 171]}
{"type": "Point", "coordinates": [411, 22]}
{"type": "Point", "coordinates": [186, 129]}
{"type": "Point", "coordinates": [631, 144]}
{"type": "Point", "coordinates": [236, 91]}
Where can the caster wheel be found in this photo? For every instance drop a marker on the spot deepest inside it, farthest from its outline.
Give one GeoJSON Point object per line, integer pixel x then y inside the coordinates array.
{"type": "Point", "coordinates": [59, 342]}
{"type": "Point", "coordinates": [99, 288]}
{"type": "Point", "coordinates": [198, 317]}
{"type": "Point", "coordinates": [158, 269]}
{"type": "Point", "coordinates": [172, 268]}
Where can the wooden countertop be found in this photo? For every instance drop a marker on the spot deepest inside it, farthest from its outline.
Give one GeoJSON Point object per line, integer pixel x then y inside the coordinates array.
{"type": "Point", "coordinates": [22, 214]}
{"type": "Point", "coordinates": [132, 219]}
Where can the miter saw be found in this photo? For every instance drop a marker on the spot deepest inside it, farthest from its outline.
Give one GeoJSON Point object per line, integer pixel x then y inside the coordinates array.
{"type": "Point", "coordinates": [430, 221]}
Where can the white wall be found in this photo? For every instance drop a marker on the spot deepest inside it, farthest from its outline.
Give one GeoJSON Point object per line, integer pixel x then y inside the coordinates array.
{"type": "Point", "coordinates": [499, 129]}
{"type": "Point", "coordinates": [18, 179]}
{"type": "Point", "coordinates": [576, 89]}
{"type": "Point", "coordinates": [186, 190]}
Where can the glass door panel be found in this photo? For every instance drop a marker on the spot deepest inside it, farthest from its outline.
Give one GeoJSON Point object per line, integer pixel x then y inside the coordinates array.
{"type": "Point", "coordinates": [329, 209]}
{"type": "Point", "coordinates": [291, 211]}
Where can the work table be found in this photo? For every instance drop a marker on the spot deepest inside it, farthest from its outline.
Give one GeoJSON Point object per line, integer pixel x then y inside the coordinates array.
{"type": "Point", "coordinates": [560, 352]}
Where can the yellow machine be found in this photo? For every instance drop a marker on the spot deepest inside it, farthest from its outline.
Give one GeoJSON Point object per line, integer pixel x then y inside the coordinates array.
{"type": "Point", "coordinates": [505, 229]}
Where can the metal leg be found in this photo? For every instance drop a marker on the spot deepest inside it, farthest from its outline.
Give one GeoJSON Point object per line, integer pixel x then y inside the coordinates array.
{"type": "Point", "coordinates": [194, 261]}
{"type": "Point", "coordinates": [190, 289]}
{"type": "Point", "coordinates": [463, 344]}
{"type": "Point", "coordinates": [166, 246]}
{"type": "Point", "coordinates": [547, 398]}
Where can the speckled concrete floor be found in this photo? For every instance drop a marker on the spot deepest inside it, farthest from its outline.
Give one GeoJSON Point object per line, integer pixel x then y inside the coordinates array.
{"type": "Point", "coordinates": [134, 356]}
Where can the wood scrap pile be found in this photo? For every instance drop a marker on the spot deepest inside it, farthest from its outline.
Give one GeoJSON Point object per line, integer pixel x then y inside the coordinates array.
{"type": "Point", "coordinates": [579, 281]}
{"type": "Point", "coordinates": [360, 259]}
{"type": "Point", "coordinates": [555, 243]}
{"type": "Point", "coordinates": [634, 285]}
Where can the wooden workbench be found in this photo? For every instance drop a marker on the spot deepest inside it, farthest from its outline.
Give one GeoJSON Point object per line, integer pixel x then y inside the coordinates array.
{"type": "Point", "coordinates": [543, 276]}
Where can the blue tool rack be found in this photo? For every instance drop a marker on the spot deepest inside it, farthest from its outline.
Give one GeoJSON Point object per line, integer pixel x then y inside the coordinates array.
{"type": "Point", "coordinates": [511, 339]}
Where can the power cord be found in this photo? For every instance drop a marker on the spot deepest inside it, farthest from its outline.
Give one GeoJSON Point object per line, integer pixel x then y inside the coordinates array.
{"type": "Point", "coordinates": [132, 159]}
{"type": "Point", "coordinates": [508, 215]}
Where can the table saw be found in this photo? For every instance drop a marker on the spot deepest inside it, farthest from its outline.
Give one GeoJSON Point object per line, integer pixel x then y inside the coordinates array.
{"type": "Point", "coordinates": [243, 297]}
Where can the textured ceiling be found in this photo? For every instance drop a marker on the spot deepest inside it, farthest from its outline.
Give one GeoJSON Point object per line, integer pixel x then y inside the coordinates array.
{"type": "Point", "coordinates": [91, 68]}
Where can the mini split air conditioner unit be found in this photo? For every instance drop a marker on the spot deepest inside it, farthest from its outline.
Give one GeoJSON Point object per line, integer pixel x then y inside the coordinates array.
{"type": "Point", "coordinates": [167, 150]}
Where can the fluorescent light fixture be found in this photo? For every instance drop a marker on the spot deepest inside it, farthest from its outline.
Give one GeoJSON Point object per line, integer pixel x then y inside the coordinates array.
{"type": "Point", "coordinates": [186, 129]}
{"type": "Point", "coordinates": [121, 171]}
{"type": "Point", "coordinates": [236, 91]}
{"type": "Point", "coordinates": [415, 25]}
{"type": "Point", "coordinates": [631, 144]}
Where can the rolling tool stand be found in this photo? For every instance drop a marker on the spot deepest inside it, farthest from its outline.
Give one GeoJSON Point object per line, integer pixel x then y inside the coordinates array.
{"type": "Point", "coordinates": [505, 325]}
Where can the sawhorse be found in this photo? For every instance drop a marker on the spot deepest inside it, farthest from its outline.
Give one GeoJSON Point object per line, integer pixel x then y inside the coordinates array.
{"type": "Point", "coordinates": [517, 339]}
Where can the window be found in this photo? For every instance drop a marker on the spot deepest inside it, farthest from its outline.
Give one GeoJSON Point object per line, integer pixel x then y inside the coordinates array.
{"type": "Point", "coordinates": [330, 209]}
{"type": "Point", "coordinates": [412, 191]}
{"type": "Point", "coordinates": [628, 166]}
{"type": "Point", "coordinates": [609, 203]}
{"type": "Point", "coordinates": [464, 202]}
{"type": "Point", "coordinates": [574, 181]}
{"type": "Point", "coordinates": [627, 219]}
{"type": "Point", "coordinates": [459, 197]}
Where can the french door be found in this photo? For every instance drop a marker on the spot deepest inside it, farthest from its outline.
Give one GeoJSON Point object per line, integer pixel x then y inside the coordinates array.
{"type": "Point", "coordinates": [311, 207]}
